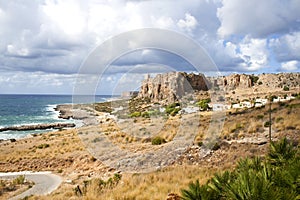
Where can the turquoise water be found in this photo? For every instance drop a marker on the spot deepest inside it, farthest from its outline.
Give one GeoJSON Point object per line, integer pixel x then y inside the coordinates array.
{"type": "Point", "coordinates": [16, 110]}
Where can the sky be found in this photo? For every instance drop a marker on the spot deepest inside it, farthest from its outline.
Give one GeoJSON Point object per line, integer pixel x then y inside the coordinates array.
{"type": "Point", "coordinates": [44, 43]}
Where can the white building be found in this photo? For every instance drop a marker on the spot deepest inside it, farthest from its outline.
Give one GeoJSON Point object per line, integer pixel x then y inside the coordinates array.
{"type": "Point", "coordinates": [258, 104]}
{"type": "Point", "coordinates": [290, 98]}
{"type": "Point", "coordinates": [236, 105]}
{"type": "Point", "coordinates": [246, 104]}
{"type": "Point", "coordinates": [219, 107]}
{"type": "Point", "coordinates": [261, 101]}
{"type": "Point", "coordinates": [278, 99]}
{"type": "Point", "coordinates": [190, 109]}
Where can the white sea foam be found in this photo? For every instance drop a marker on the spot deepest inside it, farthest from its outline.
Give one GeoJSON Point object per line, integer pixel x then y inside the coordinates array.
{"type": "Point", "coordinates": [6, 136]}
{"type": "Point", "coordinates": [54, 113]}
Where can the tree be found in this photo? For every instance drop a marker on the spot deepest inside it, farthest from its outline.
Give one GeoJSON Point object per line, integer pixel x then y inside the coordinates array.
{"type": "Point", "coordinates": [286, 88]}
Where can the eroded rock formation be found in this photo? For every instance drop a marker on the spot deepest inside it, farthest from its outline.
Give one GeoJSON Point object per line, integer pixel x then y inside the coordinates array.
{"type": "Point", "coordinates": [237, 80]}
{"type": "Point", "coordinates": [172, 86]}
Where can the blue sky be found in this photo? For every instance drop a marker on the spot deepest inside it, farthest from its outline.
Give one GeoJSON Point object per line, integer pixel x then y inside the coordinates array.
{"type": "Point", "coordinates": [43, 43]}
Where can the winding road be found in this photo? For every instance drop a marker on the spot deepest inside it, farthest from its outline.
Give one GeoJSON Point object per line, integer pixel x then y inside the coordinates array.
{"type": "Point", "coordinates": [45, 182]}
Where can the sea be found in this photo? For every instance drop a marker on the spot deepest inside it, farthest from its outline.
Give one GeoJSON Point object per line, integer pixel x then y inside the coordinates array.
{"type": "Point", "coordinates": [17, 110]}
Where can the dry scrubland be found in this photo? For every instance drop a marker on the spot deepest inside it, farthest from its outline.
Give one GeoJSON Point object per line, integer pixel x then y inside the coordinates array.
{"type": "Point", "coordinates": [244, 134]}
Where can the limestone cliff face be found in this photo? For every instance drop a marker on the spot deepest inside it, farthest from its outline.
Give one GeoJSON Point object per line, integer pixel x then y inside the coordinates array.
{"type": "Point", "coordinates": [272, 81]}
{"type": "Point", "coordinates": [171, 86]}
{"type": "Point", "coordinates": [237, 80]}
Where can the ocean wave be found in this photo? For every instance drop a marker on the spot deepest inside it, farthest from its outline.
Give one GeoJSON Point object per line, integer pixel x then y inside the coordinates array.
{"type": "Point", "coordinates": [50, 108]}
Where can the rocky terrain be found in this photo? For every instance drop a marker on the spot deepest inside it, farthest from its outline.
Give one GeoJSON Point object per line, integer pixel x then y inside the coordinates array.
{"type": "Point", "coordinates": [172, 86]}
{"type": "Point", "coordinates": [38, 127]}
{"type": "Point", "coordinates": [89, 155]}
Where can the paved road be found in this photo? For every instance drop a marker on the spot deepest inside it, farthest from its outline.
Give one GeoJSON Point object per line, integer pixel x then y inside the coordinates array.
{"type": "Point", "coordinates": [45, 182]}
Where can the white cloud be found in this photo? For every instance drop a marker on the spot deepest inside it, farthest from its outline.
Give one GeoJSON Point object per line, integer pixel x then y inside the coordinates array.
{"type": "Point", "coordinates": [164, 22]}
{"type": "Point", "coordinates": [189, 23]}
{"type": "Point", "coordinates": [286, 47]}
{"type": "Point", "coordinates": [254, 53]}
{"type": "Point", "coordinates": [55, 36]}
{"type": "Point", "coordinates": [67, 15]}
{"type": "Point", "coordinates": [27, 82]}
{"type": "Point", "coordinates": [290, 65]}
{"type": "Point", "coordinates": [247, 55]}
{"type": "Point", "coordinates": [258, 18]}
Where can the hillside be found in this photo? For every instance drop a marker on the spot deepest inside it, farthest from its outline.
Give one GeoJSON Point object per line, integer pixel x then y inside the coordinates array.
{"type": "Point", "coordinates": [174, 85]}
{"type": "Point", "coordinates": [175, 143]}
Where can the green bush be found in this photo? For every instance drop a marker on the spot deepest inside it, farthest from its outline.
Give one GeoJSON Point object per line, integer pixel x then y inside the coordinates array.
{"type": "Point", "coordinates": [267, 124]}
{"type": "Point", "coordinates": [286, 88]}
{"type": "Point", "coordinates": [254, 78]}
{"type": "Point", "coordinates": [260, 116]}
{"type": "Point", "coordinates": [19, 180]}
{"type": "Point", "coordinates": [135, 114]}
{"type": "Point", "coordinates": [203, 104]}
{"type": "Point", "coordinates": [158, 140]}
{"type": "Point", "coordinates": [145, 114]}
{"type": "Point", "coordinates": [193, 192]}
{"type": "Point", "coordinates": [278, 119]}
{"type": "Point", "coordinates": [43, 146]}
{"type": "Point", "coordinates": [173, 109]}
{"type": "Point", "coordinates": [276, 177]}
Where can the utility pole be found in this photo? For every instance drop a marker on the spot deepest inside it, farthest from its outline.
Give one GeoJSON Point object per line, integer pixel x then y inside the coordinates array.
{"type": "Point", "coordinates": [270, 119]}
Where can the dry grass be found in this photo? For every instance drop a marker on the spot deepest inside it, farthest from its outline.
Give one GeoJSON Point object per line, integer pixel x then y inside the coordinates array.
{"type": "Point", "coordinates": [49, 151]}
{"type": "Point", "coordinates": [152, 186]}
{"type": "Point", "coordinates": [155, 185]}
{"type": "Point", "coordinates": [65, 151]}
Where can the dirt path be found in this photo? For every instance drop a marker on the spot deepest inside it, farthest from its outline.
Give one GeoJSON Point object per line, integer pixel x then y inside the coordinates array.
{"type": "Point", "coordinates": [45, 182]}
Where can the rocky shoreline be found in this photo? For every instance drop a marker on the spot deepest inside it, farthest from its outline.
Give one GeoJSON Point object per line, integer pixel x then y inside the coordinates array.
{"type": "Point", "coordinates": [38, 127]}
{"type": "Point", "coordinates": [83, 113]}
{"type": "Point", "coordinates": [78, 112]}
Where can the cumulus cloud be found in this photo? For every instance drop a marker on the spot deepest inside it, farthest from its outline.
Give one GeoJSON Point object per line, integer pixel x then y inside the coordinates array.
{"type": "Point", "coordinates": [258, 18]}
{"type": "Point", "coordinates": [286, 47]}
{"type": "Point", "coordinates": [188, 24]}
{"type": "Point", "coordinates": [290, 65]}
{"type": "Point", "coordinates": [56, 36]}
{"type": "Point", "coordinates": [254, 53]}
{"type": "Point", "coordinates": [35, 82]}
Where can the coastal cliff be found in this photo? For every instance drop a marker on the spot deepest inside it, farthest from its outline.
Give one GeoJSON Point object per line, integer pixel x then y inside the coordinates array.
{"type": "Point", "coordinates": [174, 85]}
{"type": "Point", "coordinates": [171, 86]}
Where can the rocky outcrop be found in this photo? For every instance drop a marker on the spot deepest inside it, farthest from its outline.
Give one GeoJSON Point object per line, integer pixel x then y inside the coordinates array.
{"type": "Point", "coordinates": [85, 113]}
{"type": "Point", "coordinates": [237, 80]}
{"type": "Point", "coordinates": [38, 127]}
{"type": "Point", "coordinates": [172, 86]}
{"type": "Point", "coordinates": [268, 81]}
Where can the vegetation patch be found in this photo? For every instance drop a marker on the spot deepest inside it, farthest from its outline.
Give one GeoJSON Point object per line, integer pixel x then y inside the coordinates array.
{"type": "Point", "coordinates": [173, 109]}
{"type": "Point", "coordinates": [203, 104]}
{"type": "Point", "coordinates": [7, 186]}
{"type": "Point", "coordinates": [158, 140]}
{"type": "Point", "coordinates": [277, 177]}
{"type": "Point", "coordinates": [97, 185]}
{"type": "Point", "coordinates": [43, 146]}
